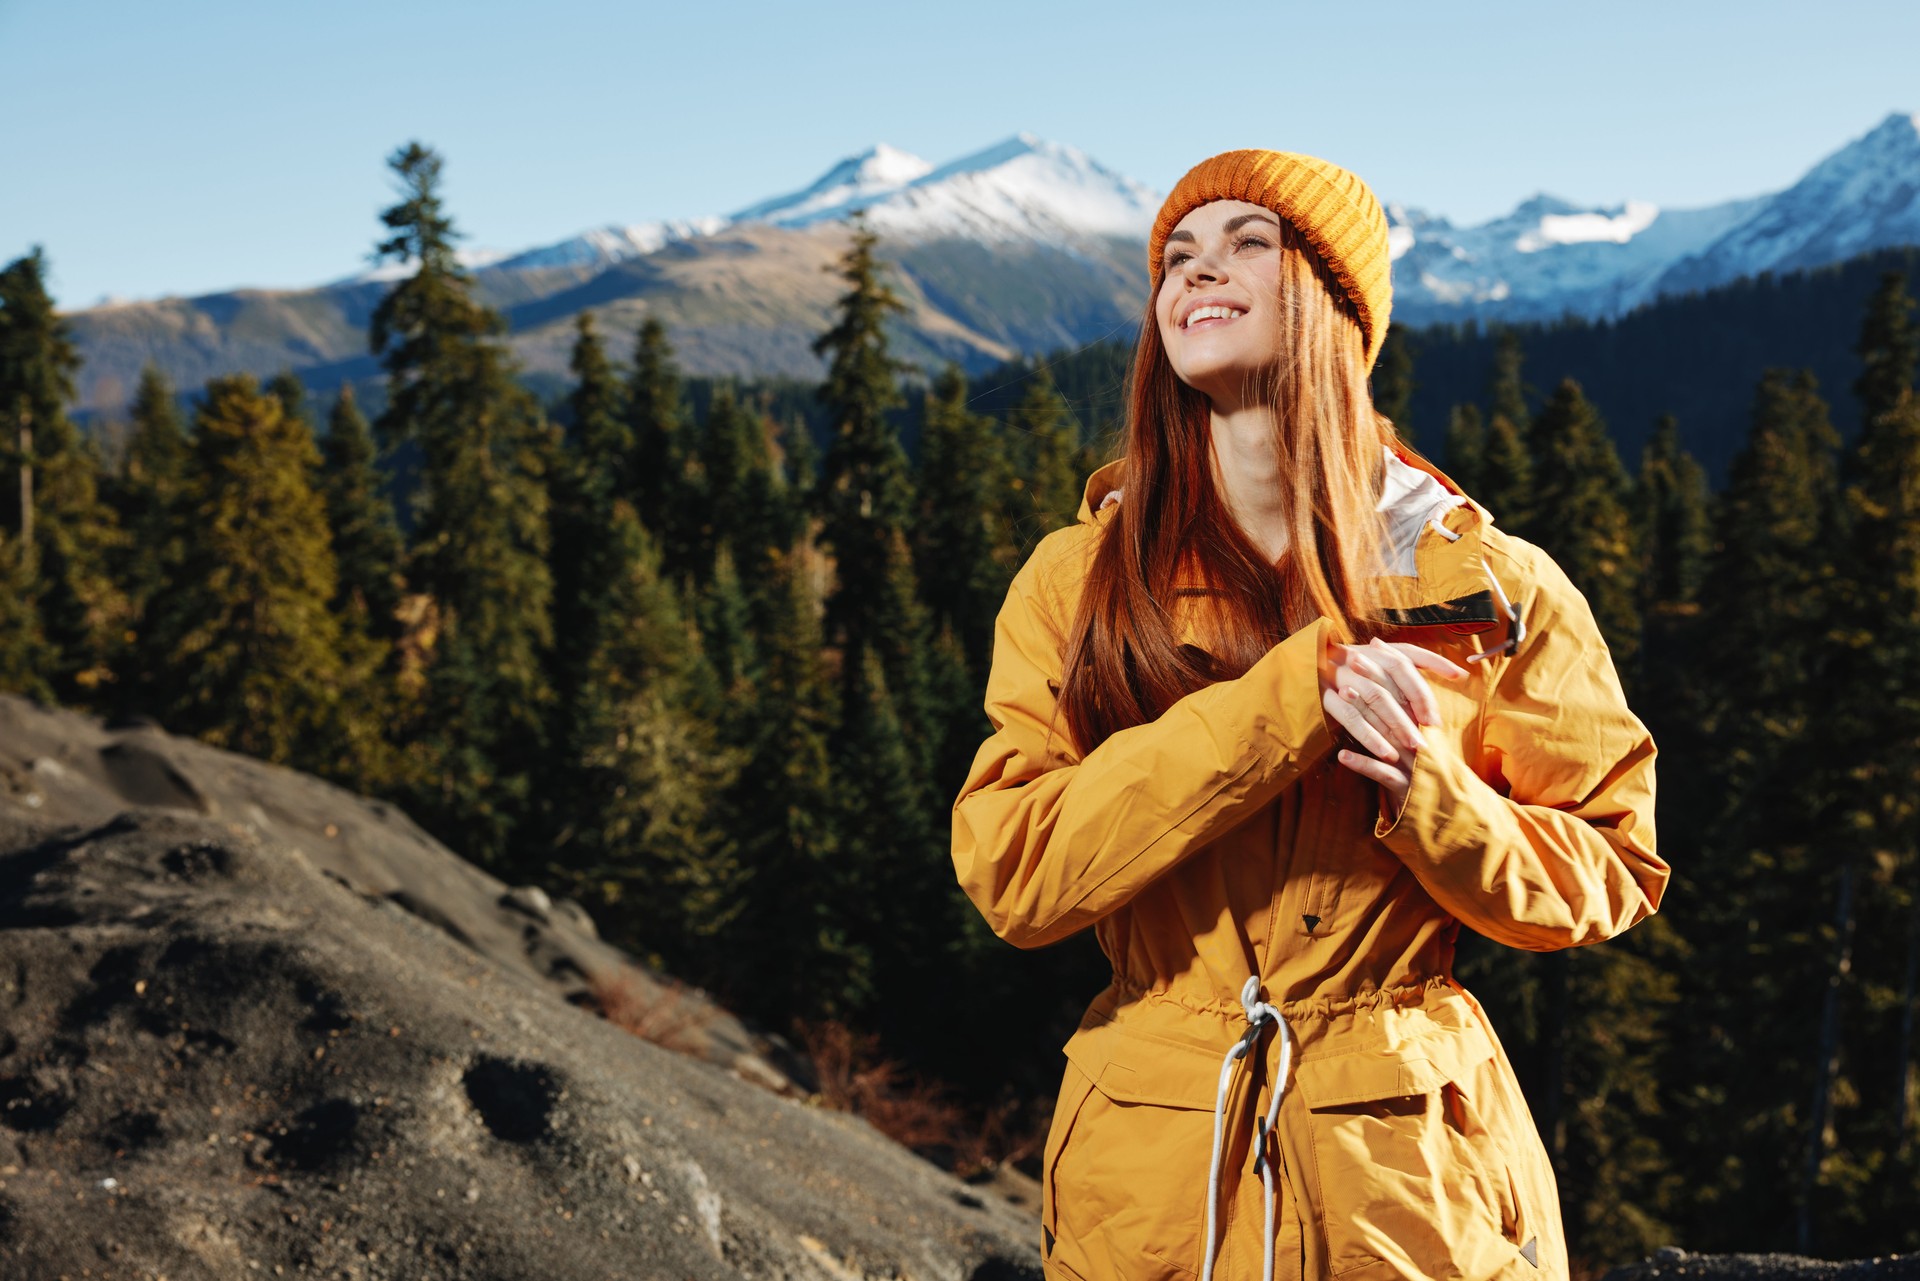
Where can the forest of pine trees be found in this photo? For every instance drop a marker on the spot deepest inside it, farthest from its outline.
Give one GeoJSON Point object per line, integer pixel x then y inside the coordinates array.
{"type": "Point", "coordinates": [719, 682]}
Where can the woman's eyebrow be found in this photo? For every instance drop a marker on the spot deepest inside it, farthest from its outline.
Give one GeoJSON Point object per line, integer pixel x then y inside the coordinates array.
{"type": "Point", "coordinates": [1234, 224]}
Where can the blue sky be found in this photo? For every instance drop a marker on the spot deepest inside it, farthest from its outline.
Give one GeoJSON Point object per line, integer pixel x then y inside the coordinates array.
{"type": "Point", "coordinates": [199, 145]}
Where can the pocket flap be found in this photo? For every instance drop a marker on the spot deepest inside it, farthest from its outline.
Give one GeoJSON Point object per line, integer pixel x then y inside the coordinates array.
{"type": "Point", "coordinates": [1131, 1067]}
{"type": "Point", "coordinates": [1413, 1067]}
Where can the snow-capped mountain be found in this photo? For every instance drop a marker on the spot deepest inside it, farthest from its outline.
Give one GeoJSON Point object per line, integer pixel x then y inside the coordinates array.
{"type": "Point", "coordinates": [1021, 189]}
{"type": "Point", "coordinates": [1549, 257]}
{"type": "Point", "coordinates": [612, 244]}
{"type": "Point", "coordinates": [1863, 197]}
{"type": "Point", "coordinates": [1024, 188]}
{"type": "Point", "coordinates": [1546, 258]}
{"type": "Point", "coordinates": [854, 182]}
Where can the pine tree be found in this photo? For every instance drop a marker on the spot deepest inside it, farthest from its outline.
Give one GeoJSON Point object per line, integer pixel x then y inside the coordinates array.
{"type": "Point", "coordinates": [480, 541]}
{"type": "Point", "coordinates": [151, 490]}
{"type": "Point", "coordinates": [1393, 383]}
{"type": "Point", "coordinates": [1756, 823]}
{"type": "Point", "coordinates": [1048, 439]}
{"type": "Point", "coordinates": [1872, 724]}
{"type": "Point", "coordinates": [867, 497]}
{"type": "Point", "coordinates": [287, 388]}
{"type": "Point", "coordinates": [254, 660]}
{"type": "Point", "coordinates": [655, 480]}
{"type": "Point", "coordinates": [1467, 450]}
{"type": "Point", "coordinates": [366, 538]}
{"type": "Point", "coordinates": [642, 838]}
{"type": "Point", "coordinates": [780, 817]}
{"type": "Point", "coordinates": [887, 731]}
{"type": "Point", "coordinates": [585, 480]}
{"type": "Point", "coordinates": [1580, 514]}
{"type": "Point", "coordinates": [1675, 527]}
{"type": "Point", "coordinates": [1507, 460]}
{"type": "Point", "coordinates": [963, 553]}
{"type": "Point", "coordinates": [49, 494]}
{"type": "Point", "coordinates": [748, 513]}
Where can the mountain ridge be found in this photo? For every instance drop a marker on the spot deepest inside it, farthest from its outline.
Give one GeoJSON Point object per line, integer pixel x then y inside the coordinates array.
{"type": "Point", "coordinates": [1022, 246]}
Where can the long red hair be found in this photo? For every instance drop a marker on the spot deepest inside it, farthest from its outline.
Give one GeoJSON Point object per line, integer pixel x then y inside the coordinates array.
{"type": "Point", "coordinates": [1123, 665]}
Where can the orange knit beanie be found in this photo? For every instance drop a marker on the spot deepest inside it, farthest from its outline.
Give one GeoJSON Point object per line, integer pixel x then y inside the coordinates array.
{"type": "Point", "coordinates": [1332, 208]}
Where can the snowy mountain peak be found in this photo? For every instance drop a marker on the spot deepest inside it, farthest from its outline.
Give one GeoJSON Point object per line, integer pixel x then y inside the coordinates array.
{"type": "Point", "coordinates": [857, 179]}
{"type": "Point", "coordinates": [1020, 188]}
{"type": "Point", "coordinates": [604, 245]}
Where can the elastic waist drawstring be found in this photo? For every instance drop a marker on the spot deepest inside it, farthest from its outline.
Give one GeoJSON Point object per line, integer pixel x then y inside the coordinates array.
{"type": "Point", "coordinates": [1259, 1014]}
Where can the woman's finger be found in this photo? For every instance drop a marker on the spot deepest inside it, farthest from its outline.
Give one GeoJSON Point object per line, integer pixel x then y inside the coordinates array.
{"type": "Point", "coordinates": [1439, 664]}
{"type": "Point", "coordinates": [1382, 706]}
{"type": "Point", "coordinates": [1398, 672]}
{"type": "Point", "coordinates": [1341, 705]}
{"type": "Point", "coordinates": [1394, 780]}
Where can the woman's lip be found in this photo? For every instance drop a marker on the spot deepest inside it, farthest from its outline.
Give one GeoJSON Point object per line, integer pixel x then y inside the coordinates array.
{"type": "Point", "coordinates": [1192, 325]}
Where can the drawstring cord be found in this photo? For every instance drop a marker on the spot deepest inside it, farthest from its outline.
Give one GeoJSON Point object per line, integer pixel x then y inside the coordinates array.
{"type": "Point", "coordinates": [1515, 633]}
{"type": "Point", "coordinates": [1259, 1014]}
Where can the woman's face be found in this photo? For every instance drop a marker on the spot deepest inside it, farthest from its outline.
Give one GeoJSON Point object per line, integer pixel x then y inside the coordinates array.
{"type": "Point", "coordinates": [1219, 302]}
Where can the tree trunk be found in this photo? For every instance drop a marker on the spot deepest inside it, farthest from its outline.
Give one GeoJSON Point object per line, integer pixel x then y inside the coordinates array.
{"type": "Point", "coordinates": [1826, 1060]}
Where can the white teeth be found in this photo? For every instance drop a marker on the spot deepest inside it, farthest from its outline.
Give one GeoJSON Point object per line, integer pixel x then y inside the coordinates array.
{"type": "Point", "coordinates": [1211, 313]}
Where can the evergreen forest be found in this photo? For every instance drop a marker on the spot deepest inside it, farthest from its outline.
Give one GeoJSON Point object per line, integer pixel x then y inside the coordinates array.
{"type": "Point", "coordinates": [708, 658]}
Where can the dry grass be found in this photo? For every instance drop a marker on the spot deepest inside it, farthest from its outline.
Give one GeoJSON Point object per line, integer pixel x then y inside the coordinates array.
{"type": "Point", "coordinates": [666, 1014]}
{"type": "Point", "coordinates": [911, 1110]}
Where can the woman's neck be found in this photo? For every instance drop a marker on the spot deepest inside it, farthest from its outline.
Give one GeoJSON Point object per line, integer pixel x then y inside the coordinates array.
{"type": "Point", "coordinates": [1246, 467]}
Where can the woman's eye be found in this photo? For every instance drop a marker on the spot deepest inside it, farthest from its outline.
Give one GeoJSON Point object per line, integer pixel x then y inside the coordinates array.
{"type": "Point", "coordinates": [1175, 259]}
{"type": "Point", "coordinates": [1244, 241]}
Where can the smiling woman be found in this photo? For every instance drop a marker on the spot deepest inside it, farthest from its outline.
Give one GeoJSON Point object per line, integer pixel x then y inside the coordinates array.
{"type": "Point", "coordinates": [1275, 718]}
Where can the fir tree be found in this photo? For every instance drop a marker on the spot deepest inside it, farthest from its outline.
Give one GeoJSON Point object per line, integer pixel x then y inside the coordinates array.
{"type": "Point", "coordinates": [49, 494]}
{"type": "Point", "coordinates": [481, 534]}
{"type": "Point", "coordinates": [1580, 514]}
{"type": "Point", "coordinates": [287, 388]}
{"type": "Point", "coordinates": [366, 538]}
{"type": "Point", "coordinates": [1873, 740]}
{"type": "Point", "coordinates": [254, 659]}
{"type": "Point", "coordinates": [780, 816]}
{"type": "Point", "coordinates": [1507, 463]}
{"type": "Point", "coordinates": [1757, 825]}
{"type": "Point", "coordinates": [585, 480]}
{"type": "Point", "coordinates": [868, 496]}
{"type": "Point", "coordinates": [1467, 450]}
{"type": "Point", "coordinates": [655, 480]}
{"type": "Point", "coordinates": [1393, 383]}
{"type": "Point", "coordinates": [642, 838]}
{"type": "Point", "coordinates": [1675, 527]}
{"type": "Point", "coordinates": [747, 511]}
{"type": "Point", "coordinates": [1048, 438]}
{"type": "Point", "coordinates": [151, 490]}
{"type": "Point", "coordinates": [962, 551]}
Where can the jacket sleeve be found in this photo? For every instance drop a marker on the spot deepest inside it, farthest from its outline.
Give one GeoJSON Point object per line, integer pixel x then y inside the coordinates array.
{"type": "Point", "coordinates": [1045, 841]}
{"type": "Point", "coordinates": [1550, 842]}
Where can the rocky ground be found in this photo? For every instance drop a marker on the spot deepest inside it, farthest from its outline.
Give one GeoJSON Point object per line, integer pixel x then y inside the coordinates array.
{"type": "Point", "coordinates": [254, 1025]}
{"type": "Point", "coordinates": [1675, 1264]}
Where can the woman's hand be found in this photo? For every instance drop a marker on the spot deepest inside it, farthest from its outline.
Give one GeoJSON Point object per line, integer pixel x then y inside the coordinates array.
{"type": "Point", "coordinates": [1377, 694]}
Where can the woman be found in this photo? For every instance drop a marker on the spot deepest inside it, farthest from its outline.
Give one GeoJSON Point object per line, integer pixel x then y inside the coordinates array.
{"type": "Point", "coordinates": [1278, 715]}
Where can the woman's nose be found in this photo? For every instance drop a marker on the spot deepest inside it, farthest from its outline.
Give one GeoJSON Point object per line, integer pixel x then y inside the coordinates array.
{"type": "Point", "coordinates": [1204, 267]}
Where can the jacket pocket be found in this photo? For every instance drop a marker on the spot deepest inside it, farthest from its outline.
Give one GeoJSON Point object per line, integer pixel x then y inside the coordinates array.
{"type": "Point", "coordinates": [1126, 1182]}
{"type": "Point", "coordinates": [1404, 1172]}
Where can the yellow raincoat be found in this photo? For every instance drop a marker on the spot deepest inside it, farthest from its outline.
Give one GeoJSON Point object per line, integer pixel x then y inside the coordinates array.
{"type": "Point", "coordinates": [1224, 841]}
